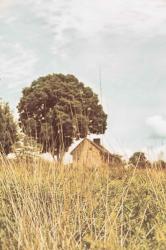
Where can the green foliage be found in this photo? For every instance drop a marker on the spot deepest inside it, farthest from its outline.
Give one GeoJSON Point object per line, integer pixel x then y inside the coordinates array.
{"type": "Point", "coordinates": [116, 161]}
{"type": "Point", "coordinates": [139, 159]}
{"type": "Point", "coordinates": [56, 109]}
{"type": "Point", "coordinates": [27, 148]}
{"type": "Point", "coordinates": [8, 129]}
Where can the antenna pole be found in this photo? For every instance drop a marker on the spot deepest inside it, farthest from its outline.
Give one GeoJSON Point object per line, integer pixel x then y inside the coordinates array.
{"type": "Point", "coordinates": [101, 93]}
{"type": "Point", "coordinates": [100, 82]}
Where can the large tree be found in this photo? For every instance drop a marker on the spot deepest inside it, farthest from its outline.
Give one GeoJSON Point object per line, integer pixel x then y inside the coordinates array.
{"type": "Point", "coordinates": [8, 129]}
{"type": "Point", "coordinates": [58, 108]}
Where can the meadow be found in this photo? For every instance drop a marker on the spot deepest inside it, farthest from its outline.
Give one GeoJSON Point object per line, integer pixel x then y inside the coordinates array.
{"type": "Point", "coordinates": [47, 206]}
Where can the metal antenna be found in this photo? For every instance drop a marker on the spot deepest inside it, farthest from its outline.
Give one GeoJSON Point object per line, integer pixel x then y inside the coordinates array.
{"type": "Point", "coordinates": [100, 83]}
{"type": "Point", "coordinates": [101, 92]}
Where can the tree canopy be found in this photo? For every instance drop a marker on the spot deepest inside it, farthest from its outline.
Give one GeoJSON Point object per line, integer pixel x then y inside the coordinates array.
{"type": "Point", "coordinates": [58, 108]}
{"type": "Point", "coordinates": [138, 159]}
{"type": "Point", "coordinates": [8, 129]}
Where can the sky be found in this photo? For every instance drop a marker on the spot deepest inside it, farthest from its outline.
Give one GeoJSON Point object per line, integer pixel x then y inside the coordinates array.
{"type": "Point", "coordinates": [124, 39]}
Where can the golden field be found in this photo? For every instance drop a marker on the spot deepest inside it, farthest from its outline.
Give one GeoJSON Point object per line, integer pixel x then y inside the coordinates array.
{"type": "Point", "coordinates": [45, 206]}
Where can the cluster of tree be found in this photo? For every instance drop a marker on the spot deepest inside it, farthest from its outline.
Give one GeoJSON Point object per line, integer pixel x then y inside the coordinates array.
{"type": "Point", "coordinates": [54, 110]}
{"type": "Point", "coordinates": [139, 160]}
{"type": "Point", "coordinates": [160, 164]}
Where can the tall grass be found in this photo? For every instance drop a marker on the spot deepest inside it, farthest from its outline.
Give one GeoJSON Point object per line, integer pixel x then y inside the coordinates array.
{"type": "Point", "coordinates": [46, 206]}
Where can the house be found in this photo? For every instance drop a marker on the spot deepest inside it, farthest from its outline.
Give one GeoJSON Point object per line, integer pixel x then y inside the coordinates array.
{"type": "Point", "coordinates": [93, 154]}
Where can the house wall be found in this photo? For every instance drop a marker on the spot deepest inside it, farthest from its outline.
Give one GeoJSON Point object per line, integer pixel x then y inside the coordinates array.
{"type": "Point", "coordinates": [87, 154]}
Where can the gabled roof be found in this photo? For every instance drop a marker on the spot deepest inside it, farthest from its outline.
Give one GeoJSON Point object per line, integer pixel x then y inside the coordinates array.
{"type": "Point", "coordinates": [99, 147]}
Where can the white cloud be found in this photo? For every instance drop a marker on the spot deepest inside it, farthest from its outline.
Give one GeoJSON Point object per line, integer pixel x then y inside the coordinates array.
{"type": "Point", "coordinates": [91, 16]}
{"type": "Point", "coordinates": [16, 66]}
{"type": "Point", "coordinates": [4, 3]}
{"type": "Point", "coordinates": [157, 124]}
{"type": "Point", "coordinates": [88, 27]}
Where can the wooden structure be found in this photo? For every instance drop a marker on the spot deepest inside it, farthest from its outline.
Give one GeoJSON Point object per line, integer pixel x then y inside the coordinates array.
{"type": "Point", "coordinates": [93, 154]}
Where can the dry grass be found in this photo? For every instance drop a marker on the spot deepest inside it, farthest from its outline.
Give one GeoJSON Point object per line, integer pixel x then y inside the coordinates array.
{"type": "Point", "coordinates": [45, 206]}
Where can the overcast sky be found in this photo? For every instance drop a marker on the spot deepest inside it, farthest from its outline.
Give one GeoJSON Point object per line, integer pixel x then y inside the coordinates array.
{"type": "Point", "coordinates": [125, 38]}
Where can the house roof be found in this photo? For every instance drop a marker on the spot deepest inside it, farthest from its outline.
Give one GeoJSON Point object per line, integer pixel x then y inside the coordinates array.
{"type": "Point", "coordinates": [99, 147]}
